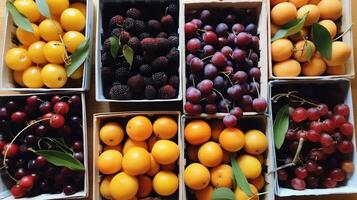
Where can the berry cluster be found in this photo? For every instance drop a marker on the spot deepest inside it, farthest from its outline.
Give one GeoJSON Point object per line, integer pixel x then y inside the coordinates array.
{"type": "Point", "coordinates": [222, 55]}
{"type": "Point", "coordinates": [325, 160]}
{"type": "Point", "coordinates": [154, 40]}
{"type": "Point", "coordinates": [38, 124]}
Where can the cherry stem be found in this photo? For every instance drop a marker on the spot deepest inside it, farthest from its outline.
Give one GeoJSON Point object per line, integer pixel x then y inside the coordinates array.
{"type": "Point", "coordinates": [63, 97]}
{"type": "Point", "coordinates": [259, 194]}
{"type": "Point", "coordinates": [220, 94]}
{"type": "Point", "coordinates": [226, 75]}
{"type": "Point", "coordinates": [202, 30]}
{"type": "Point", "coordinates": [13, 178]}
{"type": "Point", "coordinates": [290, 95]}
{"type": "Point", "coordinates": [344, 33]}
{"type": "Point", "coordinates": [207, 57]}
{"type": "Point", "coordinates": [256, 87]}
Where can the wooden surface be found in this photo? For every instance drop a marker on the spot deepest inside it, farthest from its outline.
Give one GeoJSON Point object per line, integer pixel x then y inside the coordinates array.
{"type": "Point", "coordinates": [94, 107]}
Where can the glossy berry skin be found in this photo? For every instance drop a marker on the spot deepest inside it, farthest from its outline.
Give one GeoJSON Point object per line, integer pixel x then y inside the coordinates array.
{"type": "Point", "coordinates": [219, 59]}
{"type": "Point", "coordinates": [237, 112]}
{"type": "Point", "coordinates": [338, 175]}
{"type": "Point", "coordinates": [193, 45]}
{"type": "Point", "coordinates": [313, 136]}
{"type": "Point", "coordinates": [310, 166]}
{"type": "Point", "coordinates": [26, 182]}
{"type": "Point", "coordinates": [230, 121]}
{"type": "Point", "coordinates": [259, 104]}
{"type": "Point", "coordinates": [193, 95]}
{"type": "Point", "coordinates": [290, 135]}
{"type": "Point", "coordinates": [338, 120]}
{"type": "Point", "coordinates": [328, 126]}
{"type": "Point", "coordinates": [346, 129]}
{"type": "Point", "coordinates": [329, 182]}
{"type": "Point", "coordinates": [32, 100]}
{"type": "Point", "coordinates": [282, 175]}
{"type": "Point", "coordinates": [11, 150]}
{"type": "Point", "coordinates": [237, 28]}
{"type": "Point", "coordinates": [342, 109]}
{"type": "Point", "coordinates": [74, 101]}
{"type": "Point", "coordinates": [210, 37]}
{"type": "Point", "coordinates": [299, 114]}
{"type": "Point", "coordinates": [196, 64]}
{"type": "Point", "coordinates": [61, 108]}
{"type": "Point", "coordinates": [345, 146]}
{"type": "Point", "coordinates": [190, 28]}
{"type": "Point", "coordinates": [17, 191]}
{"type": "Point", "coordinates": [205, 86]}
{"type": "Point", "coordinates": [323, 109]}
{"type": "Point", "coordinates": [40, 161]}
{"type": "Point", "coordinates": [316, 126]}
{"type": "Point", "coordinates": [21, 172]}
{"type": "Point", "coordinates": [69, 190]}
{"type": "Point", "coordinates": [298, 184]}
{"type": "Point", "coordinates": [77, 146]}
{"type": "Point", "coordinates": [18, 117]}
{"type": "Point", "coordinates": [46, 107]}
{"type": "Point", "coordinates": [57, 121]}
{"type": "Point", "coordinates": [301, 173]}
{"type": "Point", "coordinates": [313, 114]}
{"type": "Point", "coordinates": [243, 39]}
{"type": "Point", "coordinates": [326, 140]}
{"type": "Point", "coordinates": [55, 99]}
{"type": "Point", "coordinates": [192, 109]}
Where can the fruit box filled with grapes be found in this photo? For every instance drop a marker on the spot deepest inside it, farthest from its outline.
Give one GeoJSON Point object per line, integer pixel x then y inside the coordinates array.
{"type": "Point", "coordinates": [44, 146]}
{"type": "Point", "coordinates": [47, 49]}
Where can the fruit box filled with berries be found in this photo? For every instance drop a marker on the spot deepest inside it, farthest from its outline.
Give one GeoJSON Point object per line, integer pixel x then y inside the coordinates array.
{"type": "Point", "coordinates": [138, 51]}
{"type": "Point", "coordinates": [208, 166]}
{"type": "Point", "coordinates": [56, 54]}
{"type": "Point", "coordinates": [310, 39]}
{"type": "Point", "coordinates": [44, 140]}
{"type": "Point", "coordinates": [315, 148]}
{"type": "Point", "coordinates": [225, 57]}
{"type": "Point", "coordinates": [137, 154]}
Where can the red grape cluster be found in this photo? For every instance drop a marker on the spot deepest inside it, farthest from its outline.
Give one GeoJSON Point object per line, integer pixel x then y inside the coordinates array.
{"type": "Point", "coordinates": [222, 55]}
{"type": "Point", "coordinates": [325, 160]}
{"type": "Point", "coordinates": [40, 121]}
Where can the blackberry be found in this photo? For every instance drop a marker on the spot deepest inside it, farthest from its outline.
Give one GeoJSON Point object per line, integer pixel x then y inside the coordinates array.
{"type": "Point", "coordinates": [134, 43]}
{"type": "Point", "coordinates": [174, 41]}
{"type": "Point", "coordinates": [124, 37]}
{"type": "Point", "coordinates": [160, 63]}
{"type": "Point", "coordinates": [154, 26]}
{"type": "Point", "coordinates": [173, 56]}
{"type": "Point", "coordinates": [174, 81]}
{"type": "Point", "coordinates": [120, 92]}
{"type": "Point", "coordinates": [136, 83]}
{"type": "Point", "coordinates": [116, 21]}
{"type": "Point", "coordinates": [167, 92]}
{"type": "Point", "coordinates": [159, 78]}
{"type": "Point", "coordinates": [107, 45]}
{"type": "Point", "coordinates": [163, 45]}
{"type": "Point", "coordinates": [148, 80]}
{"type": "Point", "coordinates": [116, 83]}
{"type": "Point", "coordinates": [172, 9]}
{"type": "Point", "coordinates": [121, 74]}
{"type": "Point", "coordinates": [150, 92]}
{"type": "Point", "coordinates": [145, 69]}
{"type": "Point", "coordinates": [116, 32]}
{"type": "Point", "coordinates": [106, 58]}
{"type": "Point", "coordinates": [139, 26]}
{"type": "Point", "coordinates": [162, 35]}
{"type": "Point", "coordinates": [148, 44]}
{"type": "Point", "coordinates": [133, 13]}
{"type": "Point", "coordinates": [138, 60]}
{"type": "Point", "coordinates": [129, 24]}
{"type": "Point", "coordinates": [144, 35]}
{"type": "Point", "coordinates": [149, 56]}
{"type": "Point", "coordinates": [123, 63]}
{"type": "Point", "coordinates": [107, 75]}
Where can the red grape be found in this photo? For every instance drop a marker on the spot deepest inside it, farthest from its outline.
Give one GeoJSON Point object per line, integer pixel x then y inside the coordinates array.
{"type": "Point", "coordinates": [298, 184]}
{"type": "Point", "coordinates": [227, 51]}
{"type": "Point", "coordinates": [219, 59]}
{"type": "Point", "coordinates": [211, 108]}
{"type": "Point", "coordinates": [240, 77]}
{"type": "Point", "coordinates": [205, 86]}
{"type": "Point", "coordinates": [17, 191]}
{"type": "Point", "coordinates": [299, 114]}
{"type": "Point", "coordinates": [237, 28]}
{"type": "Point", "coordinates": [32, 100]}
{"type": "Point", "coordinates": [338, 175]}
{"type": "Point", "coordinates": [329, 182]}
{"type": "Point", "coordinates": [208, 50]}
{"type": "Point", "coordinates": [239, 55]}
{"type": "Point", "coordinates": [346, 129]}
{"type": "Point", "coordinates": [26, 182]}
{"type": "Point", "coordinates": [319, 170]}
{"type": "Point", "coordinates": [338, 120]}
{"type": "Point", "coordinates": [57, 121]}
{"type": "Point", "coordinates": [345, 146]}
{"type": "Point", "coordinates": [235, 92]}
{"type": "Point", "coordinates": [190, 28]}
{"type": "Point", "coordinates": [210, 37]}
{"type": "Point", "coordinates": [193, 45]}
{"type": "Point", "coordinates": [326, 140]}
{"type": "Point", "coordinates": [259, 104]}
{"type": "Point", "coordinates": [311, 166]}
{"type": "Point", "coordinates": [237, 112]}
{"type": "Point", "coordinates": [196, 64]}
{"type": "Point", "coordinates": [210, 71]}
{"type": "Point", "coordinates": [312, 181]}
{"type": "Point", "coordinates": [12, 150]}
{"type": "Point", "coordinates": [328, 126]}
{"type": "Point", "coordinates": [222, 29]}
{"type": "Point", "coordinates": [243, 39]}
{"type": "Point", "coordinates": [313, 136]}
{"type": "Point", "coordinates": [342, 109]}
{"type": "Point", "coordinates": [323, 109]}
{"type": "Point", "coordinates": [18, 117]}
{"type": "Point", "coordinates": [301, 172]}
{"type": "Point", "coordinates": [313, 114]}
{"type": "Point", "coordinates": [230, 121]}
{"type": "Point", "coordinates": [316, 126]}
{"type": "Point", "coordinates": [61, 108]}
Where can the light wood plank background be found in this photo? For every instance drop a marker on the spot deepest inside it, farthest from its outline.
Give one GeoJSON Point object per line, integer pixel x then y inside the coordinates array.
{"type": "Point", "coordinates": [94, 107]}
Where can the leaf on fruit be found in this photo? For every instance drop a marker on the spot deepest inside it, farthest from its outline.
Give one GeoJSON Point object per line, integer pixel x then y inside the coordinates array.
{"type": "Point", "coordinates": [223, 193]}
{"type": "Point", "coordinates": [114, 46]}
{"type": "Point", "coordinates": [78, 57]}
{"type": "Point", "coordinates": [308, 51]}
{"type": "Point", "coordinates": [322, 40]}
{"type": "Point", "coordinates": [128, 53]}
{"type": "Point", "coordinates": [239, 177]}
{"type": "Point", "coordinates": [281, 125]}
{"type": "Point", "coordinates": [61, 159]}
{"type": "Point", "coordinates": [19, 19]}
{"type": "Point", "coordinates": [290, 28]}
{"type": "Point", "coordinates": [43, 8]}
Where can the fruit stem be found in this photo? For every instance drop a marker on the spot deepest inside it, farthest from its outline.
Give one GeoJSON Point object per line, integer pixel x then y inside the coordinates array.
{"type": "Point", "coordinates": [230, 81]}
{"type": "Point", "coordinates": [290, 95]}
{"type": "Point", "coordinates": [220, 94]}
{"type": "Point", "coordinates": [207, 57]}
{"type": "Point", "coordinates": [344, 33]}
{"type": "Point", "coordinates": [256, 87]}
{"type": "Point", "coordinates": [202, 30]}
{"type": "Point", "coordinates": [13, 178]}
{"type": "Point", "coordinates": [259, 194]}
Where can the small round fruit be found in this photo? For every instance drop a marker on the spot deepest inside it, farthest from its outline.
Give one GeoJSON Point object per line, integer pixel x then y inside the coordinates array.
{"type": "Point", "coordinates": [131, 143]}
{"type": "Point", "coordinates": [29, 9]}
{"type": "Point", "coordinates": [283, 13]}
{"type": "Point", "coordinates": [57, 6]}
{"type": "Point", "coordinates": [275, 2]}
{"type": "Point", "coordinates": [80, 6]}
{"type": "Point", "coordinates": [165, 127]}
{"type": "Point", "coordinates": [259, 182]}
{"type": "Point", "coordinates": [124, 186]}
{"type": "Point", "coordinates": [17, 59]}
{"type": "Point", "coordinates": [274, 29]}
{"type": "Point", "coordinates": [111, 134]}
{"type": "Point", "coordinates": [299, 3]}
{"type": "Point", "coordinates": [300, 35]}
{"type": "Point", "coordinates": [205, 193]}
{"type": "Point", "coordinates": [154, 166]}
{"type": "Point", "coordinates": [17, 76]}
{"type": "Point", "coordinates": [78, 74]}
{"type": "Point", "coordinates": [315, 2]}
{"type": "Point", "coordinates": [165, 152]}
{"type": "Point", "coordinates": [281, 50]}
{"type": "Point", "coordinates": [241, 195]}
{"type": "Point", "coordinates": [196, 176]}
{"type": "Point", "coordinates": [250, 166]}
{"type": "Point", "coordinates": [50, 30]}
{"type": "Point", "coordinates": [54, 52]}
{"type": "Point", "coordinates": [197, 132]}
{"type": "Point", "coordinates": [72, 39]}
{"type": "Point", "coordinates": [312, 17]}
{"type": "Point", "coordinates": [73, 20]}
{"type": "Point", "coordinates": [222, 176]}
{"type": "Point", "coordinates": [300, 50]}
{"type": "Point", "coordinates": [217, 127]}
{"type": "Point", "coordinates": [231, 139]}
{"type": "Point", "coordinates": [11, 150]}
{"type": "Point", "coordinates": [31, 77]}
{"type": "Point", "coordinates": [336, 70]}
{"type": "Point", "coordinates": [27, 38]}
{"type": "Point", "coordinates": [340, 54]}
{"type": "Point", "coordinates": [109, 162]}
{"type": "Point", "coordinates": [136, 161]}
{"type": "Point", "coordinates": [288, 68]}
{"type": "Point", "coordinates": [145, 186]}
{"type": "Point", "coordinates": [316, 67]}
{"type": "Point", "coordinates": [256, 142]}
{"type": "Point", "coordinates": [104, 187]}
{"type": "Point", "coordinates": [210, 154]}
{"type": "Point", "coordinates": [54, 76]}
{"type": "Point", "coordinates": [17, 191]}
{"type": "Point", "coordinates": [330, 9]}
{"type": "Point", "coordinates": [330, 26]}
{"type": "Point", "coordinates": [36, 52]}
{"type": "Point", "coordinates": [139, 128]}
{"type": "Point", "coordinates": [165, 183]}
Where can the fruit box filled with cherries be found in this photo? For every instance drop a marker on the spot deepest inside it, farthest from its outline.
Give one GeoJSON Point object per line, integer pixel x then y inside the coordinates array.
{"type": "Point", "coordinates": [51, 53]}
{"type": "Point", "coordinates": [137, 154]}
{"type": "Point", "coordinates": [310, 39]}
{"type": "Point", "coordinates": [210, 150]}
{"type": "Point", "coordinates": [315, 148]}
{"type": "Point", "coordinates": [43, 140]}
{"type": "Point", "coordinates": [138, 51]}
{"type": "Point", "coordinates": [225, 57]}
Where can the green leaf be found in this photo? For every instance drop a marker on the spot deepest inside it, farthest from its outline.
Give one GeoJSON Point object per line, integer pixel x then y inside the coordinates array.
{"type": "Point", "coordinates": [241, 180]}
{"type": "Point", "coordinates": [78, 57]}
{"type": "Point", "coordinates": [128, 54]}
{"type": "Point", "coordinates": [281, 125]}
{"type": "Point", "coordinates": [322, 40]}
{"type": "Point", "coordinates": [114, 46]}
{"type": "Point", "coordinates": [20, 20]}
{"type": "Point", "coordinates": [308, 51]}
{"type": "Point", "coordinates": [43, 8]}
{"type": "Point", "coordinates": [61, 159]}
{"type": "Point", "coordinates": [290, 28]}
{"type": "Point", "coordinates": [223, 193]}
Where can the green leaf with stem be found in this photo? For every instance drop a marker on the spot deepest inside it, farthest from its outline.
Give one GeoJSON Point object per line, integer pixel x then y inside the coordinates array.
{"type": "Point", "coordinates": [43, 8]}
{"type": "Point", "coordinates": [128, 53]}
{"type": "Point", "coordinates": [281, 125]}
{"type": "Point", "coordinates": [78, 57]}
{"type": "Point", "coordinates": [239, 177]}
{"type": "Point", "coordinates": [223, 193]}
{"type": "Point", "coordinates": [308, 51]}
{"type": "Point", "coordinates": [19, 19]}
{"type": "Point", "coordinates": [291, 28]}
{"type": "Point", "coordinates": [322, 40]}
{"type": "Point", "coordinates": [114, 46]}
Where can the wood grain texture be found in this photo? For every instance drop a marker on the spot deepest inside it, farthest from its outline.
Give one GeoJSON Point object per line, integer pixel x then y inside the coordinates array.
{"type": "Point", "coordinates": [94, 107]}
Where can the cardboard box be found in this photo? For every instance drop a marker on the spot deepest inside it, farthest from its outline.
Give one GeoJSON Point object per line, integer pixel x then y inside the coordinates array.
{"type": "Point", "coordinates": [98, 121]}
{"type": "Point", "coordinates": [340, 93]}
{"type": "Point", "coordinates": [260, 122]}
{"type": "Point", "coordinates": [346, 21]}
{"type": "Point", "coordinates": [5, 193]}
{"type": "Point", "coordinates": [260, 5]}
{"type": "Point", "coordinates": [6, 77]}
{"type": "Point", "coordinates": [99, 93]}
